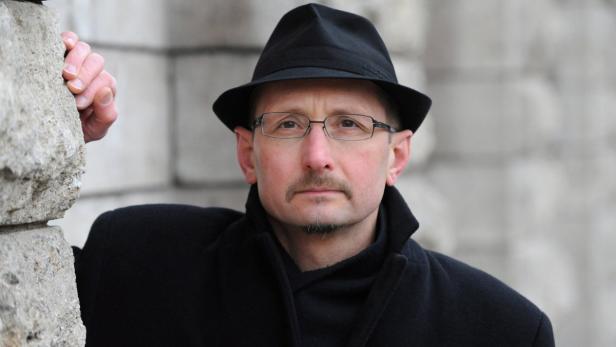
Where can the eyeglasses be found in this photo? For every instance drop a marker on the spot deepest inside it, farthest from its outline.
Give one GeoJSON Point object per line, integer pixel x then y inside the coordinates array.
{"type": "Point", "coordinates": [345, 127]}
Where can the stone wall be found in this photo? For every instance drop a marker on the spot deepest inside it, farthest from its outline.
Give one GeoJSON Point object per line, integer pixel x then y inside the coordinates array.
{"type": "Point", "coordinates": [512, 172]}
{"type": "Point", "coordinates": [41, 162]}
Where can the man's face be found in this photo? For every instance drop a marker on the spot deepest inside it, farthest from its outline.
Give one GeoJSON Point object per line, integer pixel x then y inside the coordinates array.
{"type": "Point", "coordinates": [317, 180]}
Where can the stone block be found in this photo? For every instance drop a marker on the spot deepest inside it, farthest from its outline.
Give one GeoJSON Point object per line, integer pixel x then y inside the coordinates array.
{"type": "Point", "coordinates": [410, 72]}
{"type": "Point", "coordinates": [491, 117]}
{"type": "Point", "coordinates": [436, 228]}
{"type": "Point", "coordinates": [546, 273]}
{"type": "Point", "coordinates": [141, 23]}
{"type": "Point", "coordinates": [38, 297]}
{"type": "Point", "coordinates": [475, 192]}
{"type": "Point", "coordinates": [468, 35]}
{"type": "Point", "coordinates": [41, 143]}
{"type": "Point", "coordinates": [495, 34]}
{"type": "Point", "coordinates": [223, 22]}
{"type": "Point", "coordinates": [205, 148]}
{"type": "Point", "coordinates": [469, 117]}
{"type": "Point", "coordinates": [136, 152]}
{"type": "Point", "coordinates": [603, 271]}
{"type": "Point", "coordinates": [535, 190]}
{"type": "Point", "coordinates": [540, 28]}
{"type": "Point", "coordinates": [249, 24]}
{"type": "Point", "coordinates": [78, 220]}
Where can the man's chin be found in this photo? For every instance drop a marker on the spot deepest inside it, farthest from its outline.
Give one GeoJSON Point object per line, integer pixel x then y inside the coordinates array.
{"type": "Point", "coordinates": [320, 229]}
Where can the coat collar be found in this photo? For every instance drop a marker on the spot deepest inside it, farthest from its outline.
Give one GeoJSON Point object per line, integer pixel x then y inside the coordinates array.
{"type": "Point", "coordinates": [251, 267]}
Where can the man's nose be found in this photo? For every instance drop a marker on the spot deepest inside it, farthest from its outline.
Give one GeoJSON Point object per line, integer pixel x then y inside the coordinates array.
{"type": "Point", "coordinates": [316, 149]}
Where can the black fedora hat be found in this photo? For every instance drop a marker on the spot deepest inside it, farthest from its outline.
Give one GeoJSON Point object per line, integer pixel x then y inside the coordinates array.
{"type": "Point", "coordinates": [315, 41]}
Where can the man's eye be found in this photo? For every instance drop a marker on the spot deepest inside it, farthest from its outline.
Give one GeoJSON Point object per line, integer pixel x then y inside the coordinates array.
{"type": "Point", "coordinates": [288, 124]}
{"type": "Point", "coordinates": [348, 123]}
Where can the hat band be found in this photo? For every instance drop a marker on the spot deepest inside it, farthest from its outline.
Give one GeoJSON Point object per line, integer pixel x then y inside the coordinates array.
{"type": "Point", "coordinates": [323, 57]}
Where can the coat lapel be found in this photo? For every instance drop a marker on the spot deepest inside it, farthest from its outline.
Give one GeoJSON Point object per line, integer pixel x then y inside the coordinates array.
{"type": "Point", "coordinates": [401, 224]}
{"type": "Point", "coordinates": [257, 302]}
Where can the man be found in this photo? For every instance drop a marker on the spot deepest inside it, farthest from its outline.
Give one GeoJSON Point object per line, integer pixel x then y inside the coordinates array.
{"type": "Point", "coordinates": [323, 255]}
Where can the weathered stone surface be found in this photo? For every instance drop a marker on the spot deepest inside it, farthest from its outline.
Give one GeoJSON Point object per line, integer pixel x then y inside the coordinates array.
{"type": "Point", "coordinates": [603, 242]}
{"type": "Point", "coordinates": [136, 152]}
{"type": "Point", "coordinates": [224, 22]}
{"type": "Point", "coordinates": [494, 116]}
{"type": "Point", "coordinates": [431, 210]}
{"type": "Point", "coordinates": [410, 72]}
{"type": "Point", "coordinates": [476, 194]}
{"type": "Point", "coordinates": [493, 34]}
{"type": "Point", "coordinates": [249, 24]}
{"type": "Point", "coordinates": [139, 23]}
{"type": "Point", "coordinates": [41, 144]}
{"type": "Point", "coordinates": [38, 297]}
{"type": "Point", "coordinates": [205, 148]}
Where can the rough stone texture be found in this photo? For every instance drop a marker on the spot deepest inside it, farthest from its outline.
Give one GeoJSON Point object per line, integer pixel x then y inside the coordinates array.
{"type": "Point", "coordinates": [38, 297]}
{"type": "Point", "coordinates": [205, 147]}
{"type": "Point", "coordinates": [41, 145]}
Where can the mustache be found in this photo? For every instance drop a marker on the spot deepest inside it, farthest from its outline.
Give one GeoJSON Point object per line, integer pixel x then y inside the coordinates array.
{"type": "Point", "coordinates": [314, 180]}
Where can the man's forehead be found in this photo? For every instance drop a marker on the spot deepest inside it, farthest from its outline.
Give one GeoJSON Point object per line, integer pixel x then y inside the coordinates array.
{"type": "Point", "coordinates": [339, 92]}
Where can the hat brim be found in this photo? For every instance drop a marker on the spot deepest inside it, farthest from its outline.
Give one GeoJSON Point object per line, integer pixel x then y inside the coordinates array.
{"type": "Point", "coordinates": [232, 106]}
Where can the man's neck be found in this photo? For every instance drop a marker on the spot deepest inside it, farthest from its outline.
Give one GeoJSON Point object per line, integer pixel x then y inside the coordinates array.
{"type": "Point", "coordinates": [312, 251]}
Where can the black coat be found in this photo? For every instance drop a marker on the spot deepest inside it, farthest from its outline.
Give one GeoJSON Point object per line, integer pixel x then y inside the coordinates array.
{"type": "Point", "coordinates": [169, 275]}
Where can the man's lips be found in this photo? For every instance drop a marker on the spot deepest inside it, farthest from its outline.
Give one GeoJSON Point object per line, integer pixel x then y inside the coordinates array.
{"type": "Point", "coordinates": [317, 190]}
{"type": "Point", "coordinates": [312, 184]}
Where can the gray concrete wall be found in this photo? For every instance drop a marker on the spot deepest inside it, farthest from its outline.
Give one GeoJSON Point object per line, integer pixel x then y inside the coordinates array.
{"type": "Point", "coordinates": [512, 172]}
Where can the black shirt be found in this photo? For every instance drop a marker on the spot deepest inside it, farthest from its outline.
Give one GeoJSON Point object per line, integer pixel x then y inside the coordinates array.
{"type": "Point", "coordinates": [328, 300]}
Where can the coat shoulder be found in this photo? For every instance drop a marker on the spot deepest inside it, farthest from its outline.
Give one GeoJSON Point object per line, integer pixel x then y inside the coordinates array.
{"type": "Point", "coordinates": [146, 235]}
{"type": "Point", "coordinates": [165, 222]}
{"type": "Point", "coordinates": [479, 306]}
{"type": "Point", "coordinates": [470, 283]}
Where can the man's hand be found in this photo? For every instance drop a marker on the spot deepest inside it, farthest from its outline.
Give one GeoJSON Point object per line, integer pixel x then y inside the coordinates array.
{"type": "Point", "coordinates": [94, 88]}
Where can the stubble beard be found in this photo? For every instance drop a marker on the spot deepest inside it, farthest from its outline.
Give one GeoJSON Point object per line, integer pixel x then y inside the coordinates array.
{"type": "Point", "coordinates": [313, 179]}
{"type": "Point", "coordinates": [321, 229]}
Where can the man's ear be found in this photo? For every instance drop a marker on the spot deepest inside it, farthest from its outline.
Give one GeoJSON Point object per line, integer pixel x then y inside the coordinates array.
{"type": "Point", "coordinates": [400, 153]}
{"type": "Point", "coordinates": [244, 153]}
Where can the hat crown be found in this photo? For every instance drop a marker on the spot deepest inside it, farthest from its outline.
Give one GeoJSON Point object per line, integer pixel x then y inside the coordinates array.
{"type": "Point", "coordinates": [314, 35]}
{"type": "Point", "coordinates": [315, 41]}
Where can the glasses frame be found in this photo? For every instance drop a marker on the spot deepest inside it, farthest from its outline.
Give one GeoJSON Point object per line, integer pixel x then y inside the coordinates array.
{"type": "Point", "coordinates": [375, 124]}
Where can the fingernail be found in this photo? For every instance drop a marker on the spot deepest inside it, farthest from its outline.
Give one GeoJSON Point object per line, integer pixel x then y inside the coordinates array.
{"type": "Point", "coordinates": [70, 69]}
{"type": "Point", "coordinates": [70, 41]}
{"type": "Point", "coordinates": [77, 84]}
{"type": "Point", "coordinates": [106, 99]}
{"type": "Point", "coordinates": [82, 102]}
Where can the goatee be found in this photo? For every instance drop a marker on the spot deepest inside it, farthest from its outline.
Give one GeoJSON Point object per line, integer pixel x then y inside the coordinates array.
{"type": "Point", "coordinates": [320, 229]}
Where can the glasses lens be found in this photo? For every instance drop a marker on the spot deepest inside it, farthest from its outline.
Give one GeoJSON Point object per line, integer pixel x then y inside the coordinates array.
{"type": "Point", "coordinates": [349, 127]}
{"type": "Point", "coordinates": [284, 125]}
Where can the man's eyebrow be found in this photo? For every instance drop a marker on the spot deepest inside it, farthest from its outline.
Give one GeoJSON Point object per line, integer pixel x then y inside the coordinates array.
{"type": "Point", "coordinates": [335, 111]}
{"type": "Point", "coordinates": [292, 109]}
{"type": "Point", "coordinates": [353, 110]}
